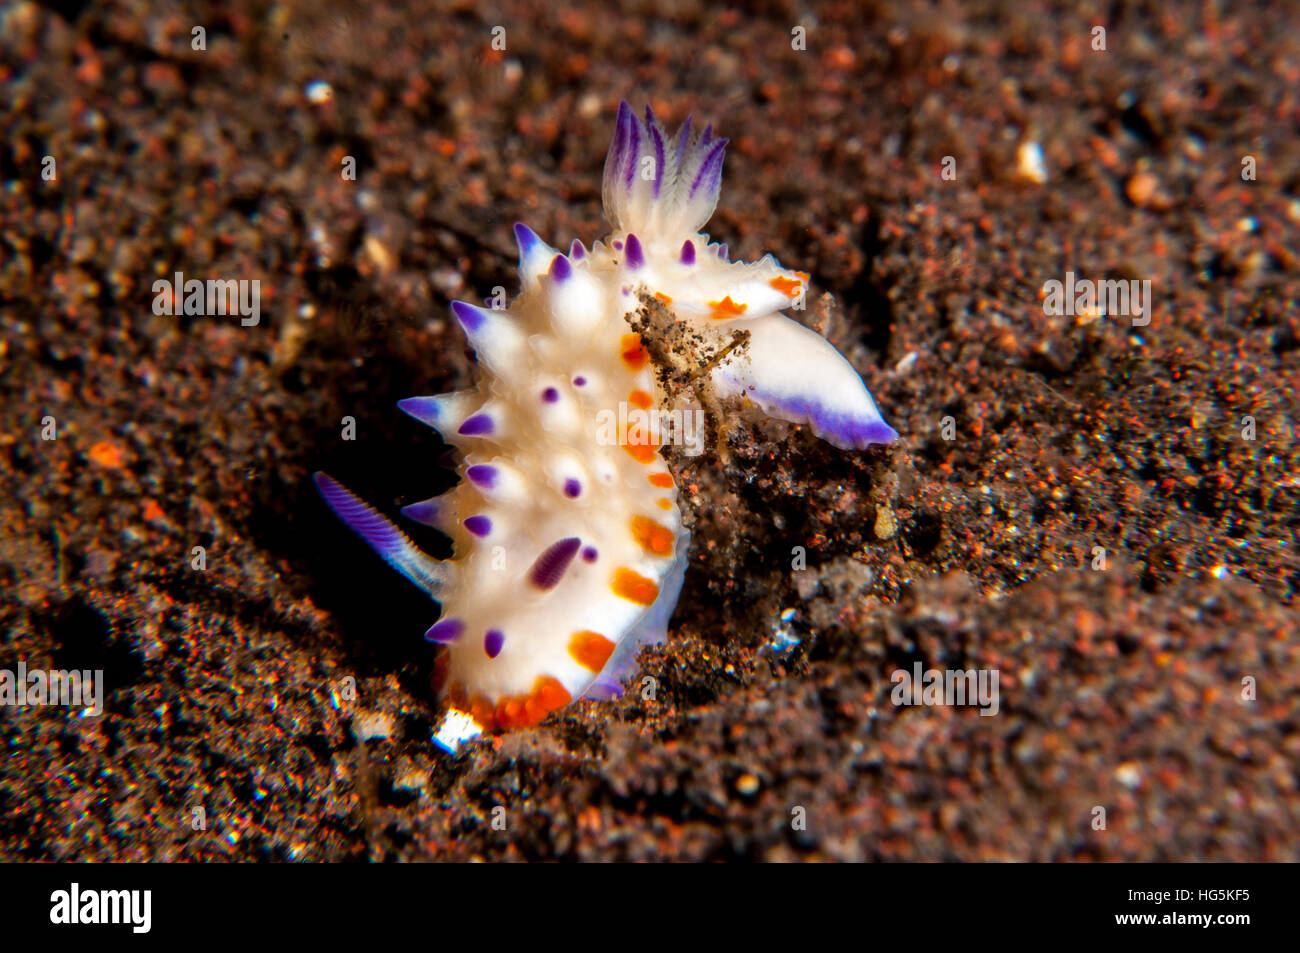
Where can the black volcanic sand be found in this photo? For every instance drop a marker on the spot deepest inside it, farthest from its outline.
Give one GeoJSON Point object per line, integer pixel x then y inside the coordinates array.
{"type": "Point", "coordinates": [1121, 688]}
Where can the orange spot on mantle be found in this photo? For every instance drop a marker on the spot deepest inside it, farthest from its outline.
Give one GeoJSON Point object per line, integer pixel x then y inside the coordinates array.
{"type": "Point", "coordinates": [590, 649]}
{"type": "Point", "coordinates": [512, 711]}
{"type": "Point", "coordinates": [640, 442]}
{"type": "Point", "coordinates": [726, 308]}
{"type": "Point", "coordinates": [634, 587]}
{"type": "Point", "coordinates": [790, 287]}
{"type": "Point", "coordinates": [651, 536]}
{"type": "Point", "coordinates": [639, 398]}
{"type": "Point", "coordinates": [663, 480]}
{"type": "Point", "coordinates": [631, 350]}
{"type": "Point", "coordinates": [642, 452]}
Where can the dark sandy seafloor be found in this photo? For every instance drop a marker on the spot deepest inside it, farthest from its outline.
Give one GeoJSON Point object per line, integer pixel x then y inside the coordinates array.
{"type": "Point", "coordinates": [1121, 688]}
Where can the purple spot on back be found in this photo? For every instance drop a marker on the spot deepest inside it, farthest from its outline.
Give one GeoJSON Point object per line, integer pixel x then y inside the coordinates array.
{"type": "Point", "coordinates": [618, 246]}
{"type": "Point", "coordinates": [493, 642]}
{"type": "Point", "coordinates": [589, 554]}
{"type": "Point", "coordinates": [572, 488]}
{"type": "Point", "coordinates": [551, 565]}
{"type": "Point", "coordinates": [478, 525]}
{"type": "Point", "coordinates": [550, 395]}
{"type": "Point", "coordinates": [476, 426]}
{"type": "Point", "coordinates": [483, 475]}
{"type": "Point", "coordinates": [580, 381]}
{"type": "Point", "coordinates": [688, 252]}
{"type": "Point", "coordinates": [445, 631]}
{"type": "Point", "coordinates": [635, 256]}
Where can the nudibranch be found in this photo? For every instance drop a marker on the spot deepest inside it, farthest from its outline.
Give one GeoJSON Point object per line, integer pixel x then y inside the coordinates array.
{"type": "Point", "coordinates": [569, 545]}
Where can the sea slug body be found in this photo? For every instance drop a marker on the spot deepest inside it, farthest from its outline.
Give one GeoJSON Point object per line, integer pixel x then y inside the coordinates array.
{"type": "Point", "coordinates": [569, 548]}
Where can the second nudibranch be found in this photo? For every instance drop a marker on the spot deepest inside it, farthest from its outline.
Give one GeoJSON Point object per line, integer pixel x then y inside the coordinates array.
{"type": "Point", "coordinates": [569, 548]}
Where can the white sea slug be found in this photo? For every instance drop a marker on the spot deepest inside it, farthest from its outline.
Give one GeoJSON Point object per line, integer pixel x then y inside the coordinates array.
{"type": "Point", "coordinates": [569, 544]}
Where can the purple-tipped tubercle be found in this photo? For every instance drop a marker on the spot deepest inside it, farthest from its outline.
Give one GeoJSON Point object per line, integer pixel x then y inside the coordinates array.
{"type": "Point", "coordinates": [476, 426]}
{"type": "Point", "coordinates": [445, 631]}
{"type": "Point", "coordinates": [423, 409]}
{"type": "Point", "coordinates": [560, 268]}
{"type": "Point", "coordinates": [482, 475]}
{"type": "Point", "coordinates": [688, 252]}
{"type": "Point", "coordinates": [527, 239]}
{"type": "Point", "coordinates": [471, 317]}
{"type": "Point", "coordinates": [478, 525]}
{"type": "Point", "coordinates": [493, 642]}
{"type": "Point", "coordinates": [635, 256]}
{"type": "Point", "coordinates": [427, 512]}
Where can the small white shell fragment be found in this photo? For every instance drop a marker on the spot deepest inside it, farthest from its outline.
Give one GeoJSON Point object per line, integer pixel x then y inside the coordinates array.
{"type": "Point", "coordinates": [1030, 164]}
{"type": "Point", "coordinates": [319, 92]}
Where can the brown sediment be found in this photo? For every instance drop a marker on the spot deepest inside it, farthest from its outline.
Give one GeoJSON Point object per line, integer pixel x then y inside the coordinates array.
{"type": "Point", "coordinates": [1103, 513]}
